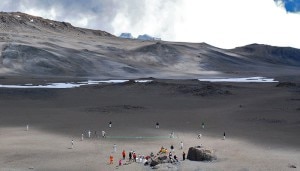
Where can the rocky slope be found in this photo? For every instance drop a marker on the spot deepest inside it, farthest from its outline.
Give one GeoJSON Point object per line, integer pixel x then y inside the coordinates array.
{"type": "Point", "coordinates": [33, 46]}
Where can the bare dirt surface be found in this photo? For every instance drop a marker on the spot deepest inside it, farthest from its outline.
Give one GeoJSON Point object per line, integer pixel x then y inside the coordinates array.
{"type": "Point", "coordinates": [261, 121]}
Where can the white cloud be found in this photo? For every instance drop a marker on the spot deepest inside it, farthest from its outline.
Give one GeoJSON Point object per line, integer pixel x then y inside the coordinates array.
{"type": "Point", "coordinates": [223, 23]}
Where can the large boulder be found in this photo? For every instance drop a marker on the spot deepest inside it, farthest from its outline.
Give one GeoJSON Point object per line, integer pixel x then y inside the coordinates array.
{"type": "Point", "coordinates": [200, 153]}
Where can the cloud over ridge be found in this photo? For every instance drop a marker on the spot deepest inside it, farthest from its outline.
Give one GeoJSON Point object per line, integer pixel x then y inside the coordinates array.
{"type": "Point", "coordinates": [225, 24]}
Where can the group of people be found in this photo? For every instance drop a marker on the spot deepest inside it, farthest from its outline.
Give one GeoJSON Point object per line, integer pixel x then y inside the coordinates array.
{"type": "Point", "coordinates": [133, 157]}
{"type": "Point", "coordinates": [140, 158]}
{"type": "Point", "coordinates": [171, 157]}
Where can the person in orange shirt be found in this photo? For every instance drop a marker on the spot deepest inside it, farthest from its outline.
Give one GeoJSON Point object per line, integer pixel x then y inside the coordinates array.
{"type": "Point", "coordinates": [123, 154]}
{"type": "Point", "coordinates": [111, 159]}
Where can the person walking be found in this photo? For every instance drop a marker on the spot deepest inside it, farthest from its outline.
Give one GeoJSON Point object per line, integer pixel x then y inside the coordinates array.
{"type": "Point", "coordinates": [224, 136]}
{"type": "Point", "coordinates": [123, 154]}
{"type": "Point", "coordinates": [89, 133]}
{"type": "Point", "coordinates": [81, 137]}
{"type": "Point", "coordinates": [202, 125]}
{"type": "Point", "coordinates": [120, 162]}
{"type": "Point", "coordinates": [27, 127]}
{"type": "Point", "coordinates": [157, 125]}
{"type": "Point", "coordinates": [72, 144]}
{"type": "Point", "coordinates": [115, 148]}
{"type": "Point", "coordinates": [109, 124]}
{"type": "Point", "coordinates": [172, 134]}
{"type": "Point", "coordinates": [183, 155]}
{"type": "Point", "coordinates": [181, 145]}
{"type": "Point", "coordinates": [103, 134]}
{"type": "Point", "coordinates": [199, 136]}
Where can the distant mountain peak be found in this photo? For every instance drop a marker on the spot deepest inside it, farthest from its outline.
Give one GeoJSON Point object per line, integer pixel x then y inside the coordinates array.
{"type": "Point", "coordinates": [126, 36]}
{"type": "Point", "coordinates": [147, 37]}
{"type": "Point", "coordinates": [140, 37]}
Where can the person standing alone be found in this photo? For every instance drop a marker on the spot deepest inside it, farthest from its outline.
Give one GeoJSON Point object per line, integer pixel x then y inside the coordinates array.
{"type": "Point", "coordinates": [72, 144]}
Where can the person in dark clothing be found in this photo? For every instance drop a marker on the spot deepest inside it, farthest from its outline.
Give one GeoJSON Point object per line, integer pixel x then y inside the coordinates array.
{"type": "Point", "coordinates": [183, 155]}
{"type": "Point", "coordinates": [109, 124]}
{"type": "Point", "coordinates": [175, 158]}
{"type": "Point", "coordinates": [130, 156]}
{"type": "Point", "coordinates": [172, 148]}
{"type": "Point", "coordinates": [224, 136]}
{"type": "Point", "coordinates": [157, 125]}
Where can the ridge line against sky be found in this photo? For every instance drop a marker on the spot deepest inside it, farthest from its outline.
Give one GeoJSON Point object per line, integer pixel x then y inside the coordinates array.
{"type": "Point", "coordinates": [222, 23]}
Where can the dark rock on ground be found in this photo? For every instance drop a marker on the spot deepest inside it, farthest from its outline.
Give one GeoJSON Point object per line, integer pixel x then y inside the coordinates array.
{"type": "Point", "coordinates": [292, 166]}
{"type": "Point", "coordinates": [200, 154]}
{"type": "Point", "coordinates": [286, 84]}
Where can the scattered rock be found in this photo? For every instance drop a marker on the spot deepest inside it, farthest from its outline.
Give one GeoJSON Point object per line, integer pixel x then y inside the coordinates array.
{"type": "Point", "coordinates": [286, 84]}
{"type": "Point", "coordinates": [153, 163]}
{"type": "Point", "coordinates": [292, 166]}
{"type": "Point", "coordinates": [203, 90]}
{"type": "Point", "coordinates": [270, 121]}
{"type": "Point", "coordinates": [116, 108]}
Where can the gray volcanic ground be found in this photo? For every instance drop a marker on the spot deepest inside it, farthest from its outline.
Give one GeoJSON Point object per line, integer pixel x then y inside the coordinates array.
{"type": "Point", "coordinates": [33, 46]}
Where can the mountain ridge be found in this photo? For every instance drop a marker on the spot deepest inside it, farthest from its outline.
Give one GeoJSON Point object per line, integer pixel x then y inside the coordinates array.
{"type": "Point", "coordinates": [33, 46]}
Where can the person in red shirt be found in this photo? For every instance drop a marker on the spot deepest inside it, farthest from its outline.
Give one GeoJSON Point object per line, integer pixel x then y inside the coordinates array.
{"type": "Point", "coordinates": [111, 159]}
{"type": "Point", "coordinates": [123, 154]}
{"type": "Point", "coordinates": [134, 157]}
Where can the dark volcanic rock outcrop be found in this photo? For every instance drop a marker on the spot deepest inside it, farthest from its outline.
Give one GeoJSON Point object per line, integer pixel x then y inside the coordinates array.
{"type": "Point", "coordinates": [200, 154]}
{"type": "Point", "coordinates": [271, 54]}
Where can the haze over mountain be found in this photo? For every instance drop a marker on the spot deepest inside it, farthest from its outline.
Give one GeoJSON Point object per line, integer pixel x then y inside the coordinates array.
{"type": "Point", "coordinates": [33, 46]}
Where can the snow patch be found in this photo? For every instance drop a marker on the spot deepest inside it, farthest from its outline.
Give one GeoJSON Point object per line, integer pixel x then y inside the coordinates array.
{"type": "Point", "coordinates": [71, 84]}
{"type": "Point", "coordinates": [143, 81]}
{"type": "Point", "coordinates": [241, 80]}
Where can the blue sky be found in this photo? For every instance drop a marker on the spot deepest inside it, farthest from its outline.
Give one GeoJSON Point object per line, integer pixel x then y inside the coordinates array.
{"type": "Point", "coordinates": [292, 6]}
{"type": "Point", "coordinates": [222, 23]}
